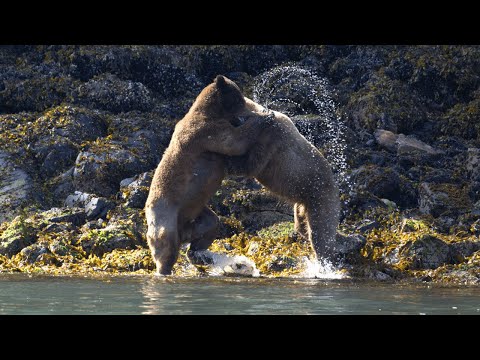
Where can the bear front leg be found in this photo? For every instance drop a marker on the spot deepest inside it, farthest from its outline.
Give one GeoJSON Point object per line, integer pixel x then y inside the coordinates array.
{"type": "Point", "coordinates": [237, 165]}
{"type": "Point", "coordinates": [164, 243]}
{"type": "Point", "coordinates": [234, 141]}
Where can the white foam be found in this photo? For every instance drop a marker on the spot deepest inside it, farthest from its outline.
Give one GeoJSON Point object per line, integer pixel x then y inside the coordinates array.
{"type": "Point", "coordinates": [231, 265]}
{"type": "Point", "coordinates": [319, 269]}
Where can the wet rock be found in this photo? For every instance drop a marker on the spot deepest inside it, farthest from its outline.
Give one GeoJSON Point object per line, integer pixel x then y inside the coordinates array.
{"type": "Point", "coordinates": [110, 93]}
{"type": "Point", "coordinates": [59, 157]}
{"type": "Point", "coordinates": [347, 247]}
{"type": "Point", "coordinates": [58, 227]}
{"type": "Point", "coordinates": [105, 240]}
{"type": "Point", "coordinates": [427, 252]}
{"type": "Point", "coordinates": [386, 183]}
{"type": "Point", "coordinates": [135, 192]}
{"type": "Point", "coordinates": [379, 275]}
{"type": "Point", "coordinates": [100, 171]}
{"type": "Point", "coordinates": [18, 235]}
{"type": "Point", "coordinates": [73, 215]}
{"type": "Point", "coordinates": [463, 249]}
{"type": "Point", "coordinates": [31, 253]}
{"type": "Point", "coordinates": [16, 188]}
{"type": "Point", "coordinates": [98, 208]}
{"type": "Point", "coordinates": [386, 139]}
{"type": "Point", "coordinates": [473, 164]}
{"type": "Point", "coordinates": [280, 263]}
{"type": "Point", "coordinates": [367, 225]}
{"type": "Point", "coordinates": [360, 201]}
{"type": "Point", "coordinates": [442, 199]}
{"type": "Point", "coordinates": [408, 145]}
{"type": "Point", "coordinates": [35, 93]}
{"type": "Point", "coordinates": [411, 225]}
{"type": "Point", "coordinates": [94, 207]}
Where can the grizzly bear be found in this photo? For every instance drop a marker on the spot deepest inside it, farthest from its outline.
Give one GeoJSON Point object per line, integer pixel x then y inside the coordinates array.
{"type": "Point", "coordinates": [288, 165]}
{"type": "Point", "coordinates": [191, 171]}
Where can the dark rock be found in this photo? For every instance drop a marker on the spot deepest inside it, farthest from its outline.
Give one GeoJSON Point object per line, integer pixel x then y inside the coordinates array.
{"type": "Point", "coordinates": [386, 183]}
{"type": "Point", "coordinates": [110, 93]}
{"type": "Point", "coordinates": [473, 163]}
{"type": "Point", "coordinates": [31, 253]}
{"type": "Point", "coordinates": [136, 192]}
{"type": "Point", "coordinates": [75, 215]}
{"type": "Point", "coordinates": [463, 249]}
{"type": "Point", "coordinates": [56, 228]}
{"type": "Point", "coordinates": [59, 157]}
{"type": "Point", "coordinates": [105, 240]}
{"type": "Point", "coordinates": [18, 235]}
{"type": "Point", "coordinates": [386, 139]}
{"type": "Point", "coordinates": [280, 263]}
{"type": "Point", "coordinates": [16, 188]}
{"type": "Point", "coordinates": [100, 171]}
{"type": "Point", "coordinates": [367, 225]}
{"type": "Point", "coordinates": [98, 208]}
{"type": "Point", "coordinates": [347, 247]}
{"type": "Point", "coordinates": [427, 252]}
{"type": "Point", "coordinates": [94, 207]}
{"type": "Point", "coordinates": [438, 199]}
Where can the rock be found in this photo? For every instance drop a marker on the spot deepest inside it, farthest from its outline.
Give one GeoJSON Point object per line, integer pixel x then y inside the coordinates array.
{"type": "Point", "coordinates": [73, 215]}
{"type": "Point", "coordinates": [280, 263]}
{"type": "Point", "coordinates": [31, 253]}
{"type": "Point", "coordinates": [16, 188]}
{"type": "Point", "coordinates": [386, 139]}
{"type": "Point", "coordinates": [136, 192]}
{"type": "Point", "coordinates": [367, 225]}
{"type": "Point", "coordinates": [385, 183]}
{"type": "Point", "coordinates": [94, 207]}
{"type": "Point", "coordinates": [108, 92]}
{"type": "Point", "coordinates": [410, 151]}
{"type": "Point", "coordinates": [390, 204]}
{"type": "Point", "coordinates": [463, 249]}
{"type": "Point", "coordinates": [348, 245]}
{"type": "Point", "coordinates": [426, 252]}
{"type": "Point", "coordinates": [59, 156]}
{"type": "Point", "coordinates": [98, 208]}
{"type": "Point", "coordinates": [18, 235]}
{"type": "Point", "coordinates": [411, 225]}
{"type": "Point", "coordinates": [438, 199]}
{"type": "Point", "coordinates": [409, 145]}
{"type": "Point", "coordinates": [473, 163]}
{"type": "Point", "coordinates": [101, 170]}
{"type": "Point", "coordinates": [379, 275]}
{"type": "Point", "coordinates": [105, 240]}
{"type": "Point", "coordinates": [62, 186]}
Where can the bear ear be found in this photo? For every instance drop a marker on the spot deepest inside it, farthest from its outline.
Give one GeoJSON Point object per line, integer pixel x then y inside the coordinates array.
{"type": "Point", "coordinates": [220, 80]}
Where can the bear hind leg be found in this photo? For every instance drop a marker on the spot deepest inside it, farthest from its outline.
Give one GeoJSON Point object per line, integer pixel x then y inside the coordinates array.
{"type": "Point", "coordinates": [300, 219]}
{"type": "Point", "coordinates": [204, 232]}
{"type": "Point", "coordinates": [322, 229]}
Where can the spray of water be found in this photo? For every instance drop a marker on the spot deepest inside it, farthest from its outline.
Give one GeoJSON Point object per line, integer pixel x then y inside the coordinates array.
{"type": "Point", "coordinates": [319, 269]}
{"type": "Point", "coordinates": [270, 89]}
{"type": "Point", "coordinates": [230, 265]}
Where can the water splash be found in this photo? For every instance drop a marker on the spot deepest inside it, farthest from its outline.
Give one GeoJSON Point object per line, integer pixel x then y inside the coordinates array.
{"type": "Point", "coordinates": [237, 265]}
{"type": "Point", "coordinates": [319, 269]}
{"type": "Point", "coordinates": [295, 90]}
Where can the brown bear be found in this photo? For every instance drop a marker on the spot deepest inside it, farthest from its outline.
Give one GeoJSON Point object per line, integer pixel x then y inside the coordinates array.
{"type": "Point", "coordinates": [192, 168]}
{"type": "Point", "coordinates": [288, 165]}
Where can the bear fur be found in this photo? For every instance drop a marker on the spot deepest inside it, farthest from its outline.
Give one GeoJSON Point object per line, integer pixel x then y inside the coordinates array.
{"type": "Point", "coordinates": [191, 171]}
{"type": "Point", "coordinates": [291, 167]}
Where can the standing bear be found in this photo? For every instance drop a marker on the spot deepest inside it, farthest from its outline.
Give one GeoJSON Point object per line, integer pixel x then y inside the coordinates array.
{"type": "Point", "coordinates": [288, 165]}
{"type": "Point", "coordinates": [192, 168]}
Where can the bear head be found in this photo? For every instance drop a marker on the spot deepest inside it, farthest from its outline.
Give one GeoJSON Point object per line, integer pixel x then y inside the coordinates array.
{"type": "Point", "coordinates": [221, 98]}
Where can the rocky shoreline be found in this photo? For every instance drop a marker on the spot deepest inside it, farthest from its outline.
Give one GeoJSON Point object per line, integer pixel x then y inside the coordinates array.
{"type": "Point", "coordinates": [83, 127]}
